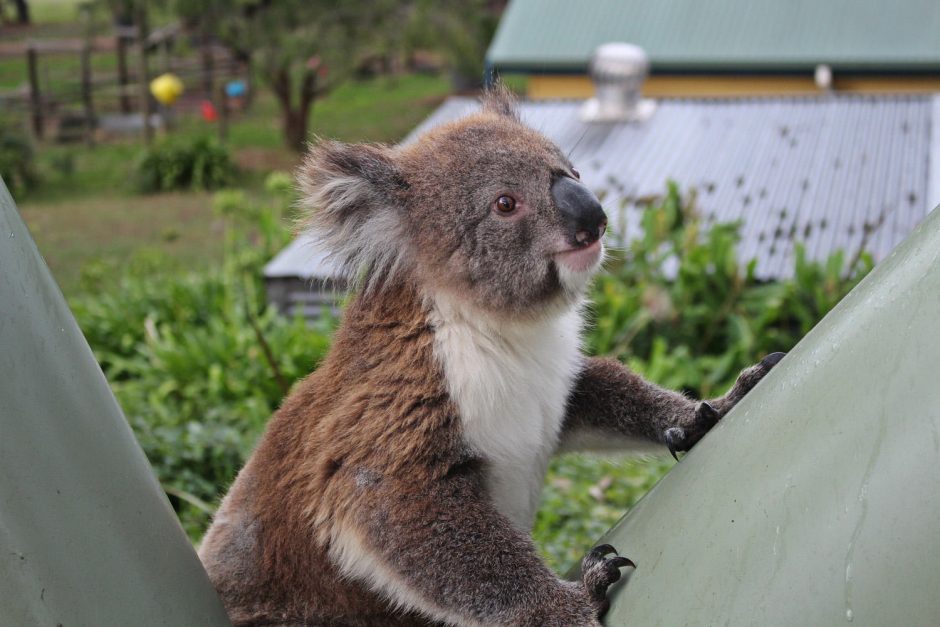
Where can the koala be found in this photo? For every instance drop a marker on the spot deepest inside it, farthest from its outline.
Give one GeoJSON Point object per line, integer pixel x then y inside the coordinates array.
{"type": "Point", "coordinates": [397, 484]}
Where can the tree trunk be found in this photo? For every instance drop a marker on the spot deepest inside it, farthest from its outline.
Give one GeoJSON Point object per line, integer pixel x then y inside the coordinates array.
{"type": "Point", "coordinates": [123, 80]}
{"type": "Point", "coordinates": [295, 129]}
{"type": "Point", "coordinates": [294, 117]}
{"type": "Point", "coordinates": [22, 11]}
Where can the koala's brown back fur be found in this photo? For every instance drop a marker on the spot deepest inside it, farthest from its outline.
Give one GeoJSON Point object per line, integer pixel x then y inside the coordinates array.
{"type": "Point", "coordinates": [375, 408]}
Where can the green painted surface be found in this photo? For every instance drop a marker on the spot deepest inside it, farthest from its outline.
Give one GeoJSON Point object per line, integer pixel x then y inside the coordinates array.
{"type": "Point", "coordinates": [723, 35]}
{"type": "Point", "coordinates": [87, 536]}
{"type": "Point", "coordinates": [817, 500]}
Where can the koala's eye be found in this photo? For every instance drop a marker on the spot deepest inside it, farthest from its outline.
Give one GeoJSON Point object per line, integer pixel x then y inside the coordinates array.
{"type": "Point", "coordinates": [577, 174]}
{"type": "Point", "coordinates": [505, 204]}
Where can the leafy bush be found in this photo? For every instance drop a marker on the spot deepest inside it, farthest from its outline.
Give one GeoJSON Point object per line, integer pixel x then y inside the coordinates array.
{"type": "Point", "coordinates": [17, 159]}
{"type": "Point", "coordinates": [198, 362]}
{"type": "Point", "coordinates": [200, 163]}
{"type": "Point", "coordinates": [678, 305]}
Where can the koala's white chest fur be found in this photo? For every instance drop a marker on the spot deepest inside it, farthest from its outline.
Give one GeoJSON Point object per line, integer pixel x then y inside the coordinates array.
{"type": "Point", "coordinates": [511, 383]}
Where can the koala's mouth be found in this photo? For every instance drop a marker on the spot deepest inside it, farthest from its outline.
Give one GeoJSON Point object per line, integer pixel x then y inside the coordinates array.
{"type": "Point", "coordinates": [582, 259]}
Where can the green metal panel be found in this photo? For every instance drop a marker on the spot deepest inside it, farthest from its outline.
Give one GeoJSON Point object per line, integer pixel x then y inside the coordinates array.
{"type": "Point", "coordinates": [87, 536]}
{"type": "Point", "coordinates": [817, 500]}
{"type": "Point", "coordinates": [723, 35]}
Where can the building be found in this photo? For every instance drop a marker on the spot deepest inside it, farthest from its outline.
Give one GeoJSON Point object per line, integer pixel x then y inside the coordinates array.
{"type": "Point", "coordinates": [724, 48]}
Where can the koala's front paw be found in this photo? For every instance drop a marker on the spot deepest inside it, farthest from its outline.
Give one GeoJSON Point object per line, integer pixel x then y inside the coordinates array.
{"type": "Point", "coordinates": [683, 438]}
{"type": "Point", "coordinates": [599, 572]}
{"type": "Point", "coordinates": [748, 378]}
{"type": "Point", "coordinates": [708, 413]}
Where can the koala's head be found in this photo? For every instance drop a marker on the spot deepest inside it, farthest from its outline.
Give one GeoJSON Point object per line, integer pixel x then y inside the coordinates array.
{"type": "Point", "coordinates": [484, 208]}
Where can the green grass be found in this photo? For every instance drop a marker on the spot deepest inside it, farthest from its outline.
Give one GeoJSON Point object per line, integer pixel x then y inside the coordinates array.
{"type": "Point", "coordinates": [71, 172]}
{"type": "Point", "coordinates": [584, 496]}
{"type": "Point", "coordinates": [12, 73]}
{"type": "Point", "coordinates": [379, 110]}
{"type": "Point", "coordinates": [54, 11]}
{"type": "Point", "coordinates": [100, 235]}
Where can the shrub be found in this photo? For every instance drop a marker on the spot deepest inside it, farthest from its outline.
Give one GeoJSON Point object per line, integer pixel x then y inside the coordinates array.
{"type": "Point", "coordinates": [17, 159]}
{"type": "Point", "coordinates": [198, 362]}
{"type": "Point", "coordinates": [679, 306]}
{"type": "Point", "coordinates": [201, 163]}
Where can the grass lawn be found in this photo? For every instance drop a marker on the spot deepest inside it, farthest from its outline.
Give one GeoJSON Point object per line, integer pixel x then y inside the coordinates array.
{"type": "Point", "coordinates": [54, 11]}
{"type": "Point", "coordinates": [100, 234]}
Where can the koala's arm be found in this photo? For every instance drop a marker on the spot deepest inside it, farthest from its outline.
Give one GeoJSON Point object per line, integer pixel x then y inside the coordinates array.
{"type": "Point", "coordinates": [442, 549]}
{"type": "Point", "coordinates": [608, 399]}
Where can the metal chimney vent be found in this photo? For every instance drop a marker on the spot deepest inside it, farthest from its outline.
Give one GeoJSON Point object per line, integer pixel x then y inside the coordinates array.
{"type": "Point", "coordinates": [618, 71]}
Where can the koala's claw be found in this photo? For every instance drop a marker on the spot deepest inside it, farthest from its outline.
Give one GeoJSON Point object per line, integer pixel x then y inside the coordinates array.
{"type": "Point", "coordinates": [619, 562]}
{"type": "Point", "coordinates": [599, 572]}
{"type": "Point", "coordinates": [603, 549]}
{"type": "Point", "coordinates": [682, 439]}
{"type": "Point", "coordinates": [707, 414]}
{"type": "Point", "coordinates": [674, 437]}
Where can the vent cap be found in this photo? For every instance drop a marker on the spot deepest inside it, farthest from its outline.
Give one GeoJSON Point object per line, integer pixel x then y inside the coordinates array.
{"type": "Point", "coordinates": [618, 71]}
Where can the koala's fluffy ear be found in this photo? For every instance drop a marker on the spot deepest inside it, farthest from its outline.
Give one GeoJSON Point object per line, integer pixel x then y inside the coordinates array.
{"type": "Point", "coordinates": [500, 100]}
{"type": "Point", "coordinates": [353, 194]}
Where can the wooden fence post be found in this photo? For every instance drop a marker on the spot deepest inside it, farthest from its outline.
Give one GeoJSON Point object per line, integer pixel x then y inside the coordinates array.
{"type": "Point", "coordinates": [87, 101]}
{"type": "Point", "coordinates": [86, 81]}
{"type": "Point", "coordinates": [222, 105]}
{"type": "Point", "coordinates": [208, 67]}
{"type": "Point", "coordinates": [35, 96]}
{"type": "Point", "coordinates": [122, 72]}
{"type": "Point", "coordinates": [145, 107]}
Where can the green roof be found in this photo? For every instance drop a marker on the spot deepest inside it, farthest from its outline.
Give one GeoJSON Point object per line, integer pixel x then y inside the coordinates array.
{"type": "Point", "coordinates": [723, 35]}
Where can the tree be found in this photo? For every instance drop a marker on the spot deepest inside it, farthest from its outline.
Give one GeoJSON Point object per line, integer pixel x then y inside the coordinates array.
{"type": "Point", "coordinates": [301, 48]}
{"type": "Point", "coordinates": [462, 30]}
{"type": "Point", "coordinates": [21, 7]}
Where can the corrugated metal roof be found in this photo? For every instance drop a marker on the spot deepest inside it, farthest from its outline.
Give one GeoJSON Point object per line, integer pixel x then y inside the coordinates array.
{"type": "Point", "coordinates": [302, 257]}
{"type": "Point", "coordinates": [820, 171]}
{"type": "Point", "coordinates": [692, 35]}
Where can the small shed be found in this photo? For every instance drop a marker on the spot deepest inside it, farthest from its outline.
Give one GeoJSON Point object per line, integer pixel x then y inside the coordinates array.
{"type": "Point", "coordinates": [303, 277]}
{"type": "Point", "coordinates": [834, 172]}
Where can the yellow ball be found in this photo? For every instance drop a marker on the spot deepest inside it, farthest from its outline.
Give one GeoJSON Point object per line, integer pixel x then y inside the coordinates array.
{"type": "Point", "coordinates": [166, 88]}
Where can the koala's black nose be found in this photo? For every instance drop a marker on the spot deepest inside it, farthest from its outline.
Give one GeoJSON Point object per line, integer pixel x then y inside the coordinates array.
{"type": "Point", "coordinates": [584, 218]}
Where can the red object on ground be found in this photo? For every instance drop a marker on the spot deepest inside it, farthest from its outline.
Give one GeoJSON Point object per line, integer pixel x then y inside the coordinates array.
{"type": "Point", "coordinates": [209, 114]}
